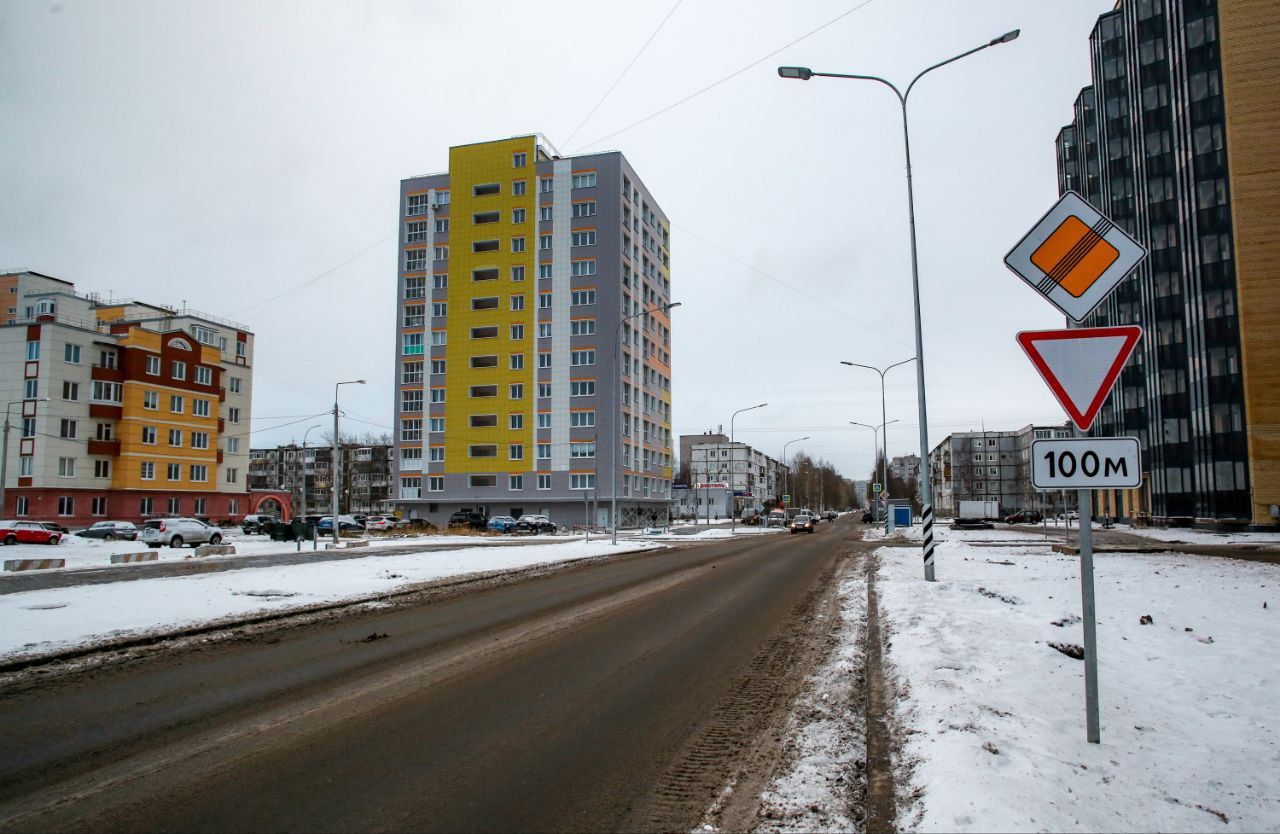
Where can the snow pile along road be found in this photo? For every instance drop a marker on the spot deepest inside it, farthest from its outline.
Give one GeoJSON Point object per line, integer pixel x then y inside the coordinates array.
{"type": "Point", "coordinates": [993, 708]}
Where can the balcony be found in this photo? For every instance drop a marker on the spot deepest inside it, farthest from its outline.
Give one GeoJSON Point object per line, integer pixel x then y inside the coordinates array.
{"type": "Point", "coordinates": [106, 411]}
{"type": "Point", "coordinates": [99, 373]}
{"type": "Point", "coordinates": [109, 448]}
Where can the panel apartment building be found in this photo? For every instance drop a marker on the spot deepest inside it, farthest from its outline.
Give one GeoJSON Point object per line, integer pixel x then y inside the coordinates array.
{"type": "Point", "coordinates": [994, 466]}
{"type": "Point", "coordinates": [1175, 142]}
{"type": "Point", "coordinates": [522, 345]}
{"type": "Point", "coordinates": [119, 409]}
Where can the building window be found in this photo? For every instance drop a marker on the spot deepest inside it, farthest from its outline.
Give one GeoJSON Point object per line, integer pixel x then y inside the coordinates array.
{"type": "Point", "coordinates": [517, 302]}
{"type": "Point", "coordinates": [582, 357]}
{"type": "Point", "coordinates": [519, 160]}
{"type": "Point", "coordinates": [581, 268]}
{"type": "Point", "coordinates": [412, 344]}
{"type": "Point", "coordinates": [415, 232]}
{"type": "Point", "coordinates": [67, 429]}
{"type": "Point", "coordinates": [544, 242]}
{"type": "Point", "coordinates": [71, 354]}
{"type": "Point", "coordinates": [441, 253]}
{"type": "Point", "coordinates": [175, 506]}
{"type": "Point", "coordinates": [544, 360]}
{"type": "Point", "coordinates": [481, 391]}
{"type": "Point", "coordinates": [107, 392]}
{"type": "Point", "coordinates": [481, 218]}
{"type": "Point", "coordinates": [175, 437]}
{"type": "Point", "coordinates": [582, 419]}
{"type": "Point", "coordinates": [66, 467]}
{"type": "Point", "coordinates": [437, 395]}
{"type": "Point", "coordinates": [488, 361]}
{"type": "Point", "coordinates": [584, 208]}
{"type": "Point", "coordinates": [415, 315]}
{"type": "Point", "coordinates": [175, 404]}
{"type": "Point", "coordinates": [98, 505]}
{"type": "Point", "coordinates": [70, 390]}
{"type": "Point", "coordinates": [544, 301]}
{"type": "Point", "coordinates": [585, 481]}
{"type": "Point", "coordinates": [517, 332]}
{"type": "Point", "coordinates": [480, 481]}
{"type": "Point", "coordinates": [544, 482]}
{"type": "Point", "coordinates": [204, 375]}
{"type": "Point", "coordinates": [200, 408]}
{"type": "Point", "coordinates": [31, 389]}
{"type": "Point", "coordinates": [544, 451]}
{"type": "Point", "coordinates": [582, 388]}
{"type": "Point", "coordinates": [546, 184]}
{"type": "Point", "coordinates": [582, 298]}
{"type": "Point", "coordinates": [411, 401]}
{"type": "Point", "coordinates": [199, 473]}
{"type": "Point", "coordinates": [439, 338]}
{"type": "Point", "coordinates": [519, 187]}
{"type": "Point", "coordinates": [33, 351]}
{"type": "Point", "coordinates": [517, 244]}
{"type": "Point", "coordinates": [544, 390]}
{"type": "Point", "coordinates": [483, 421]}
{"type": "Point", "coordinates": [66, 505]}
{"type": "Point", "coordinates": [233, 445]}
{"type": "Point", "coordinates": [515, 422]}
{"type": "Point", "coordinates": [435, 424]}
{"type": "Point", "coordinates": [415, 287]}
{"type": "Point", "coordinates": [544, 270]}
{"type": "Point", "coordinates": [146, 507]}
{"type": "Point", "coordinates": [587, 179]}
{"type": "Point", "coordinates": [545, 213]}
{"type": "Point", "coordinates": [486, 189]}
{"type": "Point", "coordinates": [585, 238]}
{"type": "Point", "coordinates": [233, 475]}
{"type": "Point", "coordinates": [484, 332]}
{"type": "Point", "coordinates": [544, 330]}
{"type": "Point", "coordinates": [147, 469]}
{"type": "Point", "coordinates": [22, 507]}
{"type": "Point", "coordinates": [417, 204]}
{"type": "Point", "coordinates": [411, 430]}
{"type": "Point", "coordinates": [102, 469]}
{"type": "Point", "coordinates": [515, 483]}
{"type": "Point", "coordinates": [544, 419]}
{"type": "Point", "coordinates": [517, 361]}
{"type": "Point", "coordinates": [582, 450]}
{"type": "Point", "coordinates": [516, 392]}
{"type": "Point", "coordinates": [199, 440]}
{"type": "Point", "coordinates": [515, 451]}
{"type": "Point", "coordinates": [435, 484]}
{"type": "Point", "coordinates": [179, 370]}
{"type": "Point", "coordinates": [435, 454]}
{"type": "Point", "coordinates": [582, 327]}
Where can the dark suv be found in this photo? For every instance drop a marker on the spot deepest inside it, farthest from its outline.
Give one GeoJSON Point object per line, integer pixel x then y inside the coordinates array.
{"type": "Point", "coordinates": [470, 519]}
{"type": "Point", "coordinates": [1024, 517]}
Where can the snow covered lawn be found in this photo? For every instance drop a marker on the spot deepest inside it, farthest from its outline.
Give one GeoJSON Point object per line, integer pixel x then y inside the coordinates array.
{"type": "Point", "coordinates": [38, 622]}
{"type": "Point", "coordinates": [1187, 535]}
{"type": "Point", "coordinates": [993, 716]}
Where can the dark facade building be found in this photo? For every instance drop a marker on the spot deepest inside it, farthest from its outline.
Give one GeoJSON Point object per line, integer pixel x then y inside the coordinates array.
{"type": "Point", "coordinates": [1170, 142]}
{"type": "Point", "coordinates": [299, 471]}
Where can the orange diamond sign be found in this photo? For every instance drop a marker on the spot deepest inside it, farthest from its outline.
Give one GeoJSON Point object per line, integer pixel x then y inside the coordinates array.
{"type": "Point", "coordinates": [1074, 256]}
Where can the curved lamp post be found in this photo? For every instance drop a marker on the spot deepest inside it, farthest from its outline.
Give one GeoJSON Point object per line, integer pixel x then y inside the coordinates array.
{"type": "Point", "coordinates": [733, 501]}
{"type": "Point", "coordinates": [337, 469]}
{"type": "Point", "coordinates": [304, 471]}
{"type": "Point", "coordinates": [884, 458]}
{"type": "Point", "coordinates": [926, 487]}
{"type": "Point", "coordinates": [786, 487]}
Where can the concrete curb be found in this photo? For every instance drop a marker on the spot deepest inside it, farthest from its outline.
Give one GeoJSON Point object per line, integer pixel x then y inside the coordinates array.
{"type": "Point", "coordinates": [124, 558]}
{"type": "Point", "coordinates": [216, 550]}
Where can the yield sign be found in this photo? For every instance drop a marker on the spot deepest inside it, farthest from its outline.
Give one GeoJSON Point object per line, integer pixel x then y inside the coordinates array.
{"type": "Point", "coordinates": [1081, 365]}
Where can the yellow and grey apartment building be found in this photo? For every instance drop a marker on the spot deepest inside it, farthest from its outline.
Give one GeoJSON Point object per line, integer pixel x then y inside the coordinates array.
{"type": "Point", "coordinates": [121, 410]}
{"type": "Point", "coordinates": [524, 345]}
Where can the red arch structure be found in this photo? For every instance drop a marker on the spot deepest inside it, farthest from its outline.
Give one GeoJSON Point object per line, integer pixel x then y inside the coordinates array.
{"type": "Point", "coordinates": [275, 502]}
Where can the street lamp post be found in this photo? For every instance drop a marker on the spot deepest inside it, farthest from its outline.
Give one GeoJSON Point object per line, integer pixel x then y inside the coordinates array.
{"type": "Point", "coordinates": [304, 472]}
{"type": "Point", "coordinates": [4, 451]}
{"type": "Point", "coordinates": [926, 487]}
{"type": "Point", "coordinates": [617, 422]}
{"type": "Point", "coordinates": [337, 469]}
{"type": "Point", "coordinates": [733, 501]}
{"type": "Point", "coordinates": [884, 458]}
{"type": "Point", "coordinates": [786, 477]}
{"type": "Point", "coordinates": [885, 481]}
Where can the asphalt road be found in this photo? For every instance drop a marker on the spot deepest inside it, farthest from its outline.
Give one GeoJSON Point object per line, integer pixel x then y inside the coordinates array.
{"type": "Point", "coordinates": [614, 696]}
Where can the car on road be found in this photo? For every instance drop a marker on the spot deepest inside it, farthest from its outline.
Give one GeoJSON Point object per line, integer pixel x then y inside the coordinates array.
{"type": "Point", "coordinates": [831, 515]}
{"type": "Point", "coordinates": [27, 532]}
{"type": "Point", "coordinates": [346, 523]}
{"type": "Point", "coordinates": [803, 523]}
{"type": "Point", "coordinates": [381, 522]}
{"type": "Point", "coordinates": [256, 524]}
{"type": "Point", "coordinates": [502, 524]}
{"type": "Point", "coordinates": [470, 519]}
{"type": "Point", "coordinates": [178, 532]}
{"type": "Point", "coordinates": [1024, 517]}
{"type": "Point", "coordinates": [777, 518]}
{"type": "Point", "coordinates": [110, 531]}
{"type": "Point", "coordinates": [533, 524]}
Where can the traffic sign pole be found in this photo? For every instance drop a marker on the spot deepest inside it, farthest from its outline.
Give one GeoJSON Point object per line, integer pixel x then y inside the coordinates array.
{"type": "Point", "coordinates": [1088, 612]}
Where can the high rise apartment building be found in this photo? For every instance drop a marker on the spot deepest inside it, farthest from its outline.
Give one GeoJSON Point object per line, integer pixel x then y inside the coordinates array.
{"type": "Point", "coordinates": [1174, 141]}
{"type": "Point", "coordinates": [523, 350]}
{"type": "Point", "coordinates": [120, 409]}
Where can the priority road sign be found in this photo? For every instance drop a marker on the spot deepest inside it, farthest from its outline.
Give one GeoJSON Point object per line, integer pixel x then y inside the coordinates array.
{"type": "Point", "coordinates": [1080, 365]}
{"type": "Point", "coordinates": [875, 488]}
{"type": "Point", "coordinates": [1074, 256]}
{"type": "Point", "coordinates": [1086, 463]}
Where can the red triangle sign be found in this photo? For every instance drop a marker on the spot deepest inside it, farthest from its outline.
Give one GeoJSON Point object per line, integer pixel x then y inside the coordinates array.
{"type": "Point", "coordinates": [1081, 365]}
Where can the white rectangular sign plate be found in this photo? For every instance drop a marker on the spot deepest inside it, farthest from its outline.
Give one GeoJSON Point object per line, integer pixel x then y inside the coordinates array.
{"type": "Point", "coordinates": [1086, 463]}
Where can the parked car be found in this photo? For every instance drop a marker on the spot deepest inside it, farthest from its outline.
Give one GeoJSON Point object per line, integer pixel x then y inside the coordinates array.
{"type": "Point", "coordinates": [777, 518]}
{"type": "Point", "coordinates": [534, 524]}
{"type": "Point", "coordinates": [110, 531]}
{"type": "Point", "coordinates": [470, 519]}
{"type": "Point", "coordinates": [502, 524]}
{"type": "Point", "coordinates": [55, 527]}
{"type": "Point", "coordinates": [27, 532]}
{"type": "Point", "coordinates": [831, 515]}
{"type": "Point", "coordinates": [177, 532]}
{"type": "Point", "coordinates": [255, 523]}
{"type": "Point", "coordinates": [380, 522]}
{"type": "Point", "coordinates": [803, 523]}
{"type": "Point", "coordinates": [1024, 517]}
{"type": "Point", "coordinates": [346, 523]}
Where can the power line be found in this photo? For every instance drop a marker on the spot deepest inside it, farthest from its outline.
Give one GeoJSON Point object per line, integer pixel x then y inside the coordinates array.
{"type": "Point", "coordinates": [324, 274]}
{"type": "Point", "coordinates": [623, 74]}
{"type": "Point", "coordinates": [728, 77]}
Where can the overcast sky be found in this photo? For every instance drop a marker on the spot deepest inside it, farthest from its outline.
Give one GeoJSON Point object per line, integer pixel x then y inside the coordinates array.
{"type": "Point", "coordinates": [245, 158]}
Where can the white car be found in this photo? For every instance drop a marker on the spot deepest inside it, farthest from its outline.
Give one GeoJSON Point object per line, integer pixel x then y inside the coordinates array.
{"type": "Point", "coordinates": [177, 532]}
{"type": "Point", "coordinates": [381, 522]}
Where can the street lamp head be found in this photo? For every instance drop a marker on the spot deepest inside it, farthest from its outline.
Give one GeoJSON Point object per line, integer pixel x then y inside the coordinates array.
{"type": "Point", "coordinates": [802, 73]}
{"type": "Point", "coordinates": [672, 305]}
{"type": "Point", "coordinates": [1006, 37]}
{"type": "Point", "coordinates": [842, 362]}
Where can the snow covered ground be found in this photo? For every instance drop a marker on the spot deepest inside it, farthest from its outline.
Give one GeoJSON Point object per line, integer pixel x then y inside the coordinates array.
{"type": "Point", "coordinates": [38, 622]}
{"type": "Point", "coordinates": [1189, 536]}
{"type": "Point", "coordinates": [993, 716]}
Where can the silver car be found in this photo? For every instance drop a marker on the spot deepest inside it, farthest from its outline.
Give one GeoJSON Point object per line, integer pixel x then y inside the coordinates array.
{"type": "Point", "coordinates": [177, 532]}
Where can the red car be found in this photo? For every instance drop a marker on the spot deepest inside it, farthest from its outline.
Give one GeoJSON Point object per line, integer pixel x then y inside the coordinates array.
{"type": "Point", "coordinates": [27, 532]}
